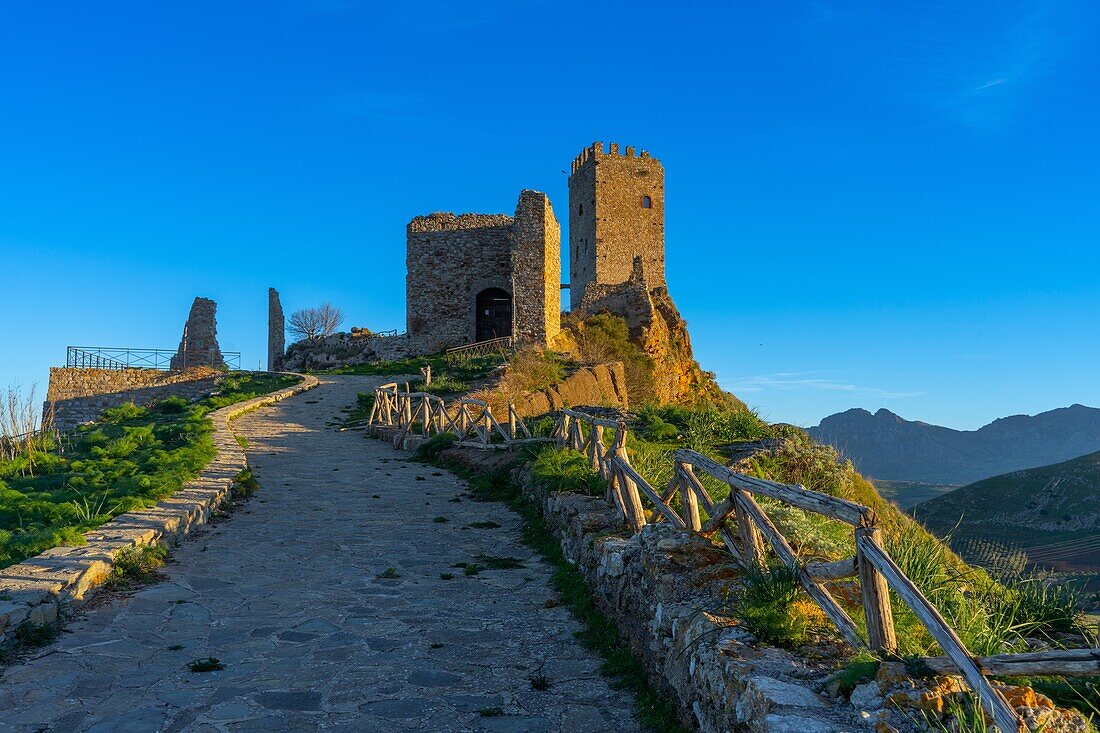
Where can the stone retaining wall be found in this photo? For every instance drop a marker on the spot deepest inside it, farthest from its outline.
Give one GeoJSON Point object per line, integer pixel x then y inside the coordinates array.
{"type": "Point", "coordinates": [41, 588]}
{"type": "Point", "coordinates": [79, 395]}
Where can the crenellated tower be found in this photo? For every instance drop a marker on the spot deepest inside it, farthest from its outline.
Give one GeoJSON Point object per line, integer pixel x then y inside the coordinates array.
{"type": "Point", "coordinates": [616, 214]}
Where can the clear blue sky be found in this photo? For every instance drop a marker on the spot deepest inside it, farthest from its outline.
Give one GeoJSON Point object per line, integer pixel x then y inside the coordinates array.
{"type": "Point", "coordinates": [891, 204]}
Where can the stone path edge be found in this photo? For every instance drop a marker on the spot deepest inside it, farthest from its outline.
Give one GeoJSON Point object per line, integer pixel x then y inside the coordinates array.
{"type": "Point", "coordinates": [40, 588]}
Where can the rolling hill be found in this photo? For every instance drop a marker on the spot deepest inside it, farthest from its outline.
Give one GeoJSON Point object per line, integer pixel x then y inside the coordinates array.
{"type": "Point", "coordinates": [885, 446]}
{"type": "Point", "coordinates": [1051, 513]}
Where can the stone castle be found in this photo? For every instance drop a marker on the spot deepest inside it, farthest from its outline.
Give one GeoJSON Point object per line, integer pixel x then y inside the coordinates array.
{"type": "Point", "coordinates": [473, 277]}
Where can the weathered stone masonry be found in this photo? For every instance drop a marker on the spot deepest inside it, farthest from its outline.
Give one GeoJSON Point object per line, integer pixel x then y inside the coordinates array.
{"type": "Point", "coordinates": [616, 214]}
{"type": "Point", "coordinates": [78, 395]}
{"type": "Point", "coordinates": [276, 331]}
{"type": "Point", "coordinates": [199, 345]}
{"type": "Point", "coordinates": [464, 273]}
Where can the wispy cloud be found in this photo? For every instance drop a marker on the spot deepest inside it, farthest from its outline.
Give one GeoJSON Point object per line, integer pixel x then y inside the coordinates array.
{"type": "Point", "coordinates": [788, 381]}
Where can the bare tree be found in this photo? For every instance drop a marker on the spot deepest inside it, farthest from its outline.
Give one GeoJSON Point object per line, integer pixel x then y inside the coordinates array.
{"type": "Point", "coordinates": [315, 323]}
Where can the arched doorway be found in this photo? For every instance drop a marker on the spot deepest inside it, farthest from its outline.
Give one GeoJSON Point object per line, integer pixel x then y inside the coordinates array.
{"type": "Point", "coordinates": [493, 314]}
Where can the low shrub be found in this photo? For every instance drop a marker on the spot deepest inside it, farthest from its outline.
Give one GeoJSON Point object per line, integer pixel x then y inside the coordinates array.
{"type": "Point", "coordinates": [566, 470]}
{"type": "Point", "coordinates": [138, 565]}
{"type": "Point", "coordinates": [772, 605]}
{"type": "Point", "coordinates": [605, 338]}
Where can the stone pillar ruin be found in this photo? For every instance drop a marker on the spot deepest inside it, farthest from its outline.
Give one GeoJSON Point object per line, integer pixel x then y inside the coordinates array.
{"type": "Point", "coordinates": [199, 345]}
{"type": "Point", "coordinates": [536, 269]}
{"type": "Point", "coordinates": [276, 331]}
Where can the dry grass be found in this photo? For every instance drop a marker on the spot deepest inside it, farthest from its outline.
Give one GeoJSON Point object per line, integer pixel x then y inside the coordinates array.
{"type": "Point", "coordinates": [529, 370]}
{"type": "Point", "coordinates": [21, 434]}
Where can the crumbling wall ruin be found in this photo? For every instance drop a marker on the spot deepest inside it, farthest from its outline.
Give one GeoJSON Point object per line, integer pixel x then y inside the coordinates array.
{"type": "Point", "coordinates": [199, 345]}
{"type": "Point", "coordinates": [276, 331]}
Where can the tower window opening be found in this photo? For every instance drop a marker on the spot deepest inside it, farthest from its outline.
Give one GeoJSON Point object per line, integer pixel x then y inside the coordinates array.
{"type": "Point", "coordinates": [580, 209]}
{"type": "Point", "coordinates": [647, 203]}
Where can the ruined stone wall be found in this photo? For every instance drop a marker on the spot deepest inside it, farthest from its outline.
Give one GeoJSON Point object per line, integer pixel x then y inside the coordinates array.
{"type": "Point", "coordinates": [449, 260]}
{"type": "Point", "coordinates": [536, 268]}
{"type": "Point", "coordinates": [78, 395]}
{"type": "Point", "coordinates": [616, 213]}
{"type": "Point", "coordinates": [199, 345]}
{"type": "Point", "coordinates": [276, 331]}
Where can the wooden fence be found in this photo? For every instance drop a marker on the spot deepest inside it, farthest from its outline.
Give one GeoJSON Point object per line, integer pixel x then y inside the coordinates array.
{"type": "Point", "coordinates": [420, 413]}
{"type": "Point", "coordinates": [745, 528]}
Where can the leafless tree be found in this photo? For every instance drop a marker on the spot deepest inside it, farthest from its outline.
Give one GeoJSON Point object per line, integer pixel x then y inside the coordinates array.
{"type": "Point", "coordinates": [315, 323]}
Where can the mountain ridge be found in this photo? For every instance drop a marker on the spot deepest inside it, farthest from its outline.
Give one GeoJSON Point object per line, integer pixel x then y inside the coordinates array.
{"type": "Point", "coordinates": [886, 446]}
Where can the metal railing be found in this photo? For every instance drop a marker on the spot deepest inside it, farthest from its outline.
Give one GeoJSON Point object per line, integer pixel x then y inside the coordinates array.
{"type": "Point", "coordinates": [107, 357]}
{"type": "Point", "coordinates": [480, 348]}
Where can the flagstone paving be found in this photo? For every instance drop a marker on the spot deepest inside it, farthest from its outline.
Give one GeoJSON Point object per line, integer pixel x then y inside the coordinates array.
{"type": "Point", "coordinates": [325, 598]}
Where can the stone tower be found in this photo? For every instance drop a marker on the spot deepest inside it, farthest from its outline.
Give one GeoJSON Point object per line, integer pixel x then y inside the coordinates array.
{"type": "Point", "coordinates": [276, 331]}
{"type": "Point", "coordinates": [616, 214]}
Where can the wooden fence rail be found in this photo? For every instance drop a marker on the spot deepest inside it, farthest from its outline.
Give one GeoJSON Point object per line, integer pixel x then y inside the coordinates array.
{"type": "Point", "coordinates": [746, 530]}
{"type": "Point", "coordinates": [470, 421]}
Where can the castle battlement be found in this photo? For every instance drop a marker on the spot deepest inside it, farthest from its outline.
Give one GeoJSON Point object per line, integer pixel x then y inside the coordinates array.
{"type": "Point", "coordinates": [595, 151]}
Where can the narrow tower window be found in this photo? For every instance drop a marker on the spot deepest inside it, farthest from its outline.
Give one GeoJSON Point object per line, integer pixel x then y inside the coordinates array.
{"type": "Point", "coordinates": [647, 203]}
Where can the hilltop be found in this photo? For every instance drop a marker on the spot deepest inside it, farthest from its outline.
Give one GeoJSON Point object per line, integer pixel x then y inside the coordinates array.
{"type": "Point", "coordinates": [888, 447]}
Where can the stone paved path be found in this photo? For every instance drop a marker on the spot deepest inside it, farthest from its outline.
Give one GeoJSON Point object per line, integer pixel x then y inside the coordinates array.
{"type": "Point", "coordinates": [289, 595]}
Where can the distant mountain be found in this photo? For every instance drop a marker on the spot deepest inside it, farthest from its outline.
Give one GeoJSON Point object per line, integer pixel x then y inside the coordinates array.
{"type": "Point", "coordinates": [885, 446]}
{"type": "Point", "coordinates": [1051, 513]}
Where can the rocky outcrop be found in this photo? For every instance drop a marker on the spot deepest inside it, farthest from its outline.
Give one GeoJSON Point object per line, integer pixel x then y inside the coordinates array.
{"type": "Point", "coordinates": [656, 326]}
{"type": "Point", "coordinates": [603, 385]}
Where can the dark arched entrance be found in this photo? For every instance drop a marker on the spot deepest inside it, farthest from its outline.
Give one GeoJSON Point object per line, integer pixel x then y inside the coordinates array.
{"type": "Point", "coordinates": [494, 314]}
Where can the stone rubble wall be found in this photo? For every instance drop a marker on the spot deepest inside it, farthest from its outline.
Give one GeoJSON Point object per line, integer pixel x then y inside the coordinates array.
{"type": "Point", "coordinates": [663, 588]}
{"type": "Point", "coordinates": [43, 588]}
{"type": "Point", "coordinates": [603, 385]}
{"type": "Point", "coordinates": [78, 395]}
{"type": "Point", "coordinates": [350, 349]}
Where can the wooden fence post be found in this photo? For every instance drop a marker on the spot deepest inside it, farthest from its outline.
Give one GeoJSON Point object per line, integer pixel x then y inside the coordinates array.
{"type": "Point", "coordinates": [633, 501]}
{"type": "Point", "coordinates": [752, 542]}
{"type": "Point", "coordinates": [512, 420]}
{"type": "Point", "coordinates": [688, 498]}
{"type": "Point", "coordinates": [876, 594]}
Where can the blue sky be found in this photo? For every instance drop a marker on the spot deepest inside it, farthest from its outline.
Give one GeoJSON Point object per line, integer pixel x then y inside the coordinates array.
{"type": "Point", "coordinates": [878, 205]}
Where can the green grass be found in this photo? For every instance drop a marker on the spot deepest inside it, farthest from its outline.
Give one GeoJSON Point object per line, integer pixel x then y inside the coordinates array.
{"type": "Point", "coordinates": [599, 632]}
{"type": "Point", "coordinates": [131, 459]}
{"type": "Point", "coordinates": [30, 634]}
{"type": "Point", "coordinates": [561, 470]}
